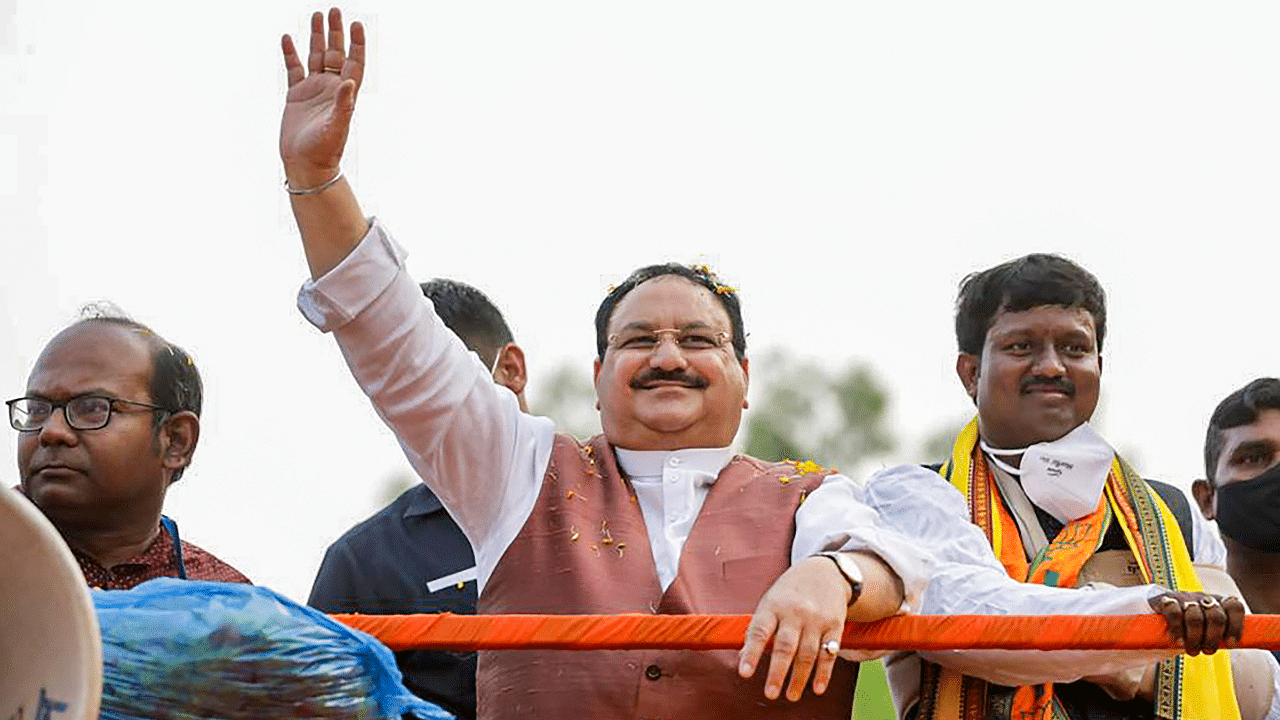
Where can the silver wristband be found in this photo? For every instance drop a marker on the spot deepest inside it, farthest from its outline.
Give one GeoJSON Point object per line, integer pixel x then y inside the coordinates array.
{"type": "Point", "coordinates": [315, 190]}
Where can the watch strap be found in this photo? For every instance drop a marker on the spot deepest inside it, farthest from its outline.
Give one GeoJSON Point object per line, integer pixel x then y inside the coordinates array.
{"type": "Point", "coordinates": [849, 569]}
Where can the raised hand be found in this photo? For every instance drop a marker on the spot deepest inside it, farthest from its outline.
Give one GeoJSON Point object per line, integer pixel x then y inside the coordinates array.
{"type": "Point", "coordinates": [321, 101]}
{"type": "Point", "coordinates": [1200, 621]}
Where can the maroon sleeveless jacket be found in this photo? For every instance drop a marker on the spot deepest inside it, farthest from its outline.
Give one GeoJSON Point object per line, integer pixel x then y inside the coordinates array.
{"type": "Point", "coordinates": [585, 550]}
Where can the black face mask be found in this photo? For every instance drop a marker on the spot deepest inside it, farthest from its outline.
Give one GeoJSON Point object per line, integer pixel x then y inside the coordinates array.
{"type": "Point", "coordinates": [1249, 511]}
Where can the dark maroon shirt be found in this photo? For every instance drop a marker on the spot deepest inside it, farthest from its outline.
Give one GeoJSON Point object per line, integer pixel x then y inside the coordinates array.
{"type": "Point", "coordinates": [158, 560]}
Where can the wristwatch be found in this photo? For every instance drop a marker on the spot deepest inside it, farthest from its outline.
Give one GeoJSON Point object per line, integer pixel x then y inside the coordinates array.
{"type": "Point", "coordinates": [849, 569]}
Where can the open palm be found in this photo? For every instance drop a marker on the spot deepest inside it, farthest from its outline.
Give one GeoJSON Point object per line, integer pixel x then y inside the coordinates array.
{"type": "Point", "coordinates": [320, 101]}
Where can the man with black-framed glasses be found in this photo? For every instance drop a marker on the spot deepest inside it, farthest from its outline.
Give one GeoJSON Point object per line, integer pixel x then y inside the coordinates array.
{"type": "Point", "coordinates": [109, 420]}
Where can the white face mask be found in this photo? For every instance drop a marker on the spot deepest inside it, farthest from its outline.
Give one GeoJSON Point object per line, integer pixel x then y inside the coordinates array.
{"type": "Point", "coordinates": [1065, 478]}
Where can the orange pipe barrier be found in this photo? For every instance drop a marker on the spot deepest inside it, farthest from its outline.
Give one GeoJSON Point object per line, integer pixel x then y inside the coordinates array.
{"type": "Point", "coordinates": [726, 632]}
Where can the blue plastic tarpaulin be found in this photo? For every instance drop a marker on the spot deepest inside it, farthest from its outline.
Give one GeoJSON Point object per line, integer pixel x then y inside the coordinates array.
{"type": "Point", "coordinates": [188, 649]}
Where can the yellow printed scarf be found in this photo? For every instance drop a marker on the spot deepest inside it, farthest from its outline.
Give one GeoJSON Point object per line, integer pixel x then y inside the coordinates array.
{"type": "Point", "coordinates": [1186, 688]}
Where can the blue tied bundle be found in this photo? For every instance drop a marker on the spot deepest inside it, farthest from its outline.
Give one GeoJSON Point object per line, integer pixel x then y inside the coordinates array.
{"type": "Point", "coordinates": [181, 649]}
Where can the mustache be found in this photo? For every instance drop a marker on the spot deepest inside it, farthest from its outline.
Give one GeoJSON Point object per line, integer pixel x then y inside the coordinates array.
{"type": "Point", "coordinates": [656, 375]}
{"type": "Point", "coordinates": [1049, 383]}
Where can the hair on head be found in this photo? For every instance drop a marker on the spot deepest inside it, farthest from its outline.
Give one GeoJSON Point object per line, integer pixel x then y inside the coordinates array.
{"type": "Point", "coordinates": [1021, 284]}
{"type": "Point", "coordinates": [1241, 407]}
{"type": "Point", "coordinates": [697, 274]}
{"type": "Point", "coordinates": [471, 315]}
{"type": "Point", "coordinates": [175, 380]}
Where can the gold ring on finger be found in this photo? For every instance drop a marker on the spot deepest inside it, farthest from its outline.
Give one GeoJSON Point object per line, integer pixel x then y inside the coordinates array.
{"type": "Point", "coordinates": [831, 647]}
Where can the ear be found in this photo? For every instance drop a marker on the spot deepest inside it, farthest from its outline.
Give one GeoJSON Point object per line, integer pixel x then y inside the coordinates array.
{"type": "Point", "coordinates": [1204, 496]}
{"type": "Point", "coordinates": [967, 367]}
{"type": "Point", "coordinates": [510, 370]}
{"type": "Point", "coordinates": [746, 380]}
{"type": "Point", "coordinates": [595, 379]}
{"type": "Point", "coordinates": [179, 435]}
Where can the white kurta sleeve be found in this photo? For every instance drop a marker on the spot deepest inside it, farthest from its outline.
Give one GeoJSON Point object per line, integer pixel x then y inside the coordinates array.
{"type": "Point", "coordinates": [839, 516]}
{"type": "Point", "coordinates": [968, 580]}
{"type": "Point", "coordinates": [461, 432]}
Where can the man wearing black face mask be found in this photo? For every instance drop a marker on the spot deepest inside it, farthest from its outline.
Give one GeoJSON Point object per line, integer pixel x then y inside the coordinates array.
{"type": "Point", "coordinates": [1242, 488]}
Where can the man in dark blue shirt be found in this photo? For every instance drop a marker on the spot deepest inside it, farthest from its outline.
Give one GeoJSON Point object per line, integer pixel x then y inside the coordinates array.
{"type": "Point", "coordinates": [411, 557]}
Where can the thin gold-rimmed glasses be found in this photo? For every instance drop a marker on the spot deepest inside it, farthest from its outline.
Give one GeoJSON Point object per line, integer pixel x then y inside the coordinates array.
{"type": "Point", "coordinates": [688, 339]}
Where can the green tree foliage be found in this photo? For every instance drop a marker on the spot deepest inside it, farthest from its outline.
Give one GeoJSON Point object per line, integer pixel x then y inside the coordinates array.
{"type": "Point", "coordinates": [804, 410]}
{"type": "Point", "coordinates": [393, 485]}
{"type": "Point", "coordinates": [937, 444]}
{"type": "Point", "coordinates": [567, 396]}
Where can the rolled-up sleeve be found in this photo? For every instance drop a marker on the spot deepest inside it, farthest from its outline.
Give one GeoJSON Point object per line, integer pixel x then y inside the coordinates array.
{"type": "Point", "coordinates": [334, 299]}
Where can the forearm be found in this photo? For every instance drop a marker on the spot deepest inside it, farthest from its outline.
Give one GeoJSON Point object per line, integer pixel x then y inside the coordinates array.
{"type": "Point", "coordinates": [882, 592]}
{"type": "Point", "coordinates": [960, 589]}
{"type": "Point", "coordinates": [1032, 667]}
{"type": "Point", "coordinates": [966, 579]}
{"type": "Point", "coordinates": [331, 224]}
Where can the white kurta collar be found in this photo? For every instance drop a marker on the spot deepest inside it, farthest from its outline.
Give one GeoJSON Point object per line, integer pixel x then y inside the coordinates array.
{"type": "Point", "coordinates": [652, 463]}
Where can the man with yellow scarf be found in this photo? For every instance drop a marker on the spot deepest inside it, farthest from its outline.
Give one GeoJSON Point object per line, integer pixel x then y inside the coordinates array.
{"type": "Point", "coordinates": [1061, 508]}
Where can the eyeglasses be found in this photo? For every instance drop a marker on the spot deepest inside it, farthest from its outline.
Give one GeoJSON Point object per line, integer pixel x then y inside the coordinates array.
{"type": "Point", "coordinates": [86, 412]}
{"type": "Point", "coordinates": [686, 340]}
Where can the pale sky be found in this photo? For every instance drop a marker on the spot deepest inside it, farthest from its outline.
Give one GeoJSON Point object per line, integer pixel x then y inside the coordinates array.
{"type": "Point", "coordinates": [843, 164]}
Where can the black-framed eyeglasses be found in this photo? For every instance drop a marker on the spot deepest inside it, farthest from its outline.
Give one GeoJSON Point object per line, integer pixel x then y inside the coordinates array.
{"type": "Point", "coordinates": [84, 412]}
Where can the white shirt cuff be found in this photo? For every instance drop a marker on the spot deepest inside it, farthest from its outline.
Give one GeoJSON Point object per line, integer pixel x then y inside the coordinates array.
{"type": "Point", "coordinates": [342, 293]}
